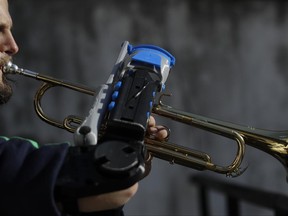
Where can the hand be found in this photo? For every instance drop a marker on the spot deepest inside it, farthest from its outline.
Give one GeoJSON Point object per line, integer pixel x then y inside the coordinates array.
{"type": "Point", "coordinates": [158, 131]}
{"type": "Point", "coordinates": [117, 199]}
{"type": "Point", "coordinates": [107, 201]}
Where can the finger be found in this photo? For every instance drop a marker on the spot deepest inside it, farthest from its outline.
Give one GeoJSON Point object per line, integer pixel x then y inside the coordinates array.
{"type": "Point", "coordinates": [157, 131]}
{"type": "Point", "coordinates": [161, 133]}
{"type": "Point", "coordinates": [151, 122]}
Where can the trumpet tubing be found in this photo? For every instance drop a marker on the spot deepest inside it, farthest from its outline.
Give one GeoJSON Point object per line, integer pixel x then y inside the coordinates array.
{"type": "Point", "coordinates": [49, 82]}
{"type": "Point", "coordinates": [271, 142]}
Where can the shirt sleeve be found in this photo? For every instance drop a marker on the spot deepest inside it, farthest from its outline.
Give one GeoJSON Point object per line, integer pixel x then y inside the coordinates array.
{"type": "Point", "coordinates": [28, 176]}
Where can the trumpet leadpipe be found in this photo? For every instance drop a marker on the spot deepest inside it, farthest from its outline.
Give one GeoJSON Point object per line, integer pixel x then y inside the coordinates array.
{"type": "Point", "coordinates": [11, 68]}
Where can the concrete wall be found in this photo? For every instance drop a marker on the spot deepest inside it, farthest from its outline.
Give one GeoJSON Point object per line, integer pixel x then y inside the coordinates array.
{"type": "Point", "coordinates": [231, 64]}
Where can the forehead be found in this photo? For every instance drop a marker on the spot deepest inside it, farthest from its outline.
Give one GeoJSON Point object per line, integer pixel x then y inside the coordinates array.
{"type": "Point", "coordinates": [4, 4]}
{"type": "Point", "coordinates": [4, 13]}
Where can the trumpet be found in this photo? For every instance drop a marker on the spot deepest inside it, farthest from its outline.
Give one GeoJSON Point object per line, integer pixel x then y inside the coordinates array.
{"type": "Point", "coordinates": [271, 142]}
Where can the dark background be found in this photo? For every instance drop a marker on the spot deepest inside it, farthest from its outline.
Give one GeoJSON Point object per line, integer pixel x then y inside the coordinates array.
{"type": "Point", "coordinates": [231, 64]}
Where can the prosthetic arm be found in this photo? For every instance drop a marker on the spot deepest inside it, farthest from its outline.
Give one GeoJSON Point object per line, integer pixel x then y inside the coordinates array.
{"type": "Point", "coordinates": [109, 151]}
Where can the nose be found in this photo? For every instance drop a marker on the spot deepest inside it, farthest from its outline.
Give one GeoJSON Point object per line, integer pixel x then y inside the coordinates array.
{"type": "Point", "coordinates": [8, 44]}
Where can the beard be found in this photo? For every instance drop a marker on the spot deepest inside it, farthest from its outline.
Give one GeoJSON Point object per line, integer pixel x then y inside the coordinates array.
{"type": "Point", "coordinates": [5, 90]}
{"type": "Point", "coordinates": [5, 87]}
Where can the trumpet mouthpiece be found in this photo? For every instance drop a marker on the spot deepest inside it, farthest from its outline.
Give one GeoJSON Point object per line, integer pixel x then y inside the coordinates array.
{"type": "Point", "coordinates": [10, 68]}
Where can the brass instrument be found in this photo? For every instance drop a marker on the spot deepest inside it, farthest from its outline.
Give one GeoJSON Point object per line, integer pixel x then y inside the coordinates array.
{"type": "Point", "coordinates": [273, 143]}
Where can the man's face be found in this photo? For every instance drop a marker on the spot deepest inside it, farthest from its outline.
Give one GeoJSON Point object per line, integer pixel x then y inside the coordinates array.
{"type": "Point", "coordinates": [8, 47]}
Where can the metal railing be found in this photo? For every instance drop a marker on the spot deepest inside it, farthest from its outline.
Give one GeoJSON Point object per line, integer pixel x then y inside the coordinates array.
{"type": "Point", "coordinates": [235, 194]}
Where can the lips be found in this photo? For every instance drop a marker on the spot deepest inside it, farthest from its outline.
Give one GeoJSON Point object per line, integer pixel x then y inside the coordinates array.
{"type": "Point", "coordinates": [3, 61]}
{"type": "Point", "coordinates": [2, 73]}
{"type": "Point", "coordinates": [1, 69]}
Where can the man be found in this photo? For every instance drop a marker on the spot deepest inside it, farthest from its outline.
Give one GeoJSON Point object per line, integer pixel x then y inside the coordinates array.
{"type": "Point", "coordinates": [28, 174]}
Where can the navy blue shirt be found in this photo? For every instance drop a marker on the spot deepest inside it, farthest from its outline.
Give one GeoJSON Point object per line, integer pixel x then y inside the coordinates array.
{"type": "Point", "coordinates": [28, 174]}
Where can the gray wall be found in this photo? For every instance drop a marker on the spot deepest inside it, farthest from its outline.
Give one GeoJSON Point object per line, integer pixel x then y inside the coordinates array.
{"type": "Point", "coordinates": [231, 64]}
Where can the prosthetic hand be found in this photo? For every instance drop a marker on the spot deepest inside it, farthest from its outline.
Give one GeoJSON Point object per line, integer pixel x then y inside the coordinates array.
{"type": "Point", "coordinates": [109, 152]}
{"type": "Point", "coordinates": [117, 199]}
